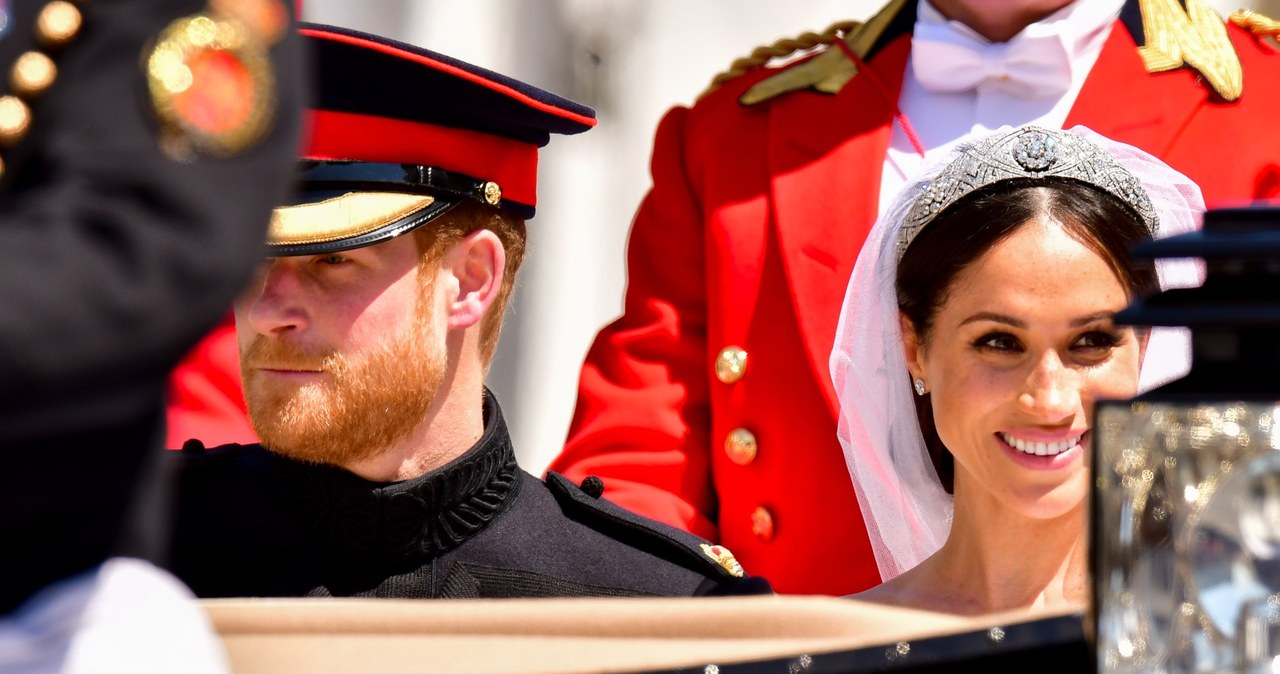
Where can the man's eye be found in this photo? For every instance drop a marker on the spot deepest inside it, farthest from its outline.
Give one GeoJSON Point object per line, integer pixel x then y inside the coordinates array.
{"type": "Point", "coordinates": [998, 341]}
{"type": "Point", "coordinates": [332, 259]}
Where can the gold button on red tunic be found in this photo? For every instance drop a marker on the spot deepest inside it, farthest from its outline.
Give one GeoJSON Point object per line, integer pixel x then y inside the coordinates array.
{"type": "Point", "coordinates": [731, 364]}
{"type": "Point", "coordinates": [762, 524]}
{"type": "Point", "coordinates": [740, 446]}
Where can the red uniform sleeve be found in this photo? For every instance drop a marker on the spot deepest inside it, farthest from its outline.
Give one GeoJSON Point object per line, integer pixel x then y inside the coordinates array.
{"type": "Point", "coordinates": [642, 419]}
{"type": "Point", "coordinates": [206, 399]}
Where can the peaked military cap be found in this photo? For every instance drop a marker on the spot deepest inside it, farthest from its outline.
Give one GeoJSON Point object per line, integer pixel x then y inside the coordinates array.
{"type": "Point", "coordinates": [399, 135]}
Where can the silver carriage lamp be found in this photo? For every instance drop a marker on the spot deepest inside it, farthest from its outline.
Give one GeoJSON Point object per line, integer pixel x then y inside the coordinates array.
{"type": "Point", "coordinates": [1185, 526]}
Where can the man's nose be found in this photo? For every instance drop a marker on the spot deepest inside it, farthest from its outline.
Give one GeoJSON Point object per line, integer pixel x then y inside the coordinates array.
{"type": "Point", "coordinates": [273, 306]}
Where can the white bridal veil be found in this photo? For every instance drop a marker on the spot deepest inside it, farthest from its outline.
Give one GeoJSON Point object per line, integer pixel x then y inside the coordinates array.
{"type": "Point", "coordinates": [907, 512]}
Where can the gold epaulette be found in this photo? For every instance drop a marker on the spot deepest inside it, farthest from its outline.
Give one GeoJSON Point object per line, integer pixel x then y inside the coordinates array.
{"type": "Point", "coordinates": [1193, 36]}
{"type": "Point", "coordinates": [1261, 26]}
{"type": "Point", "coordinates": [780, 49]}
{"type": "Point", "coordinates": [831, 70]}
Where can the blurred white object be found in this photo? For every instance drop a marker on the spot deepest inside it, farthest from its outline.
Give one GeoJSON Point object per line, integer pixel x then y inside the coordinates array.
{"type": "Point", "coordinates": [126, 617]}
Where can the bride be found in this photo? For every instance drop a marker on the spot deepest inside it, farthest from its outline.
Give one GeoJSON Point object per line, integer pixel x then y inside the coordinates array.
{"type": "Point", "coordinates": [975, 338]}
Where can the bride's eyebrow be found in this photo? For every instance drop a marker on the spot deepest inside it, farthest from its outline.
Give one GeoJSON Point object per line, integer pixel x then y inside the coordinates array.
{"type": "Point", "coordinates": [994, 317]}
{"type": "Point", "coordinates": [1096, 316]}
{"type": "Point", "coordinates": [1018, 323]}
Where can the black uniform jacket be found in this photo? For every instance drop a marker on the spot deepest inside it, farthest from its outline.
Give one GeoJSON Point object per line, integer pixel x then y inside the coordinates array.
{"type": "Point", "coordinates": [117, 257]}
{"type": "Point", "coordinates": [253, 523]}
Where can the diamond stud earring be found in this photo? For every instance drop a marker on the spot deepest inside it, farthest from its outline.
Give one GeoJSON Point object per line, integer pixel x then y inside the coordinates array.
{"type": "Point", "coordinates": [919, 386]}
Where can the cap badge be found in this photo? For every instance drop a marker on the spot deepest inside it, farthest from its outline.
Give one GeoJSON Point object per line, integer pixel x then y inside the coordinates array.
{"type": "Point", "coordinates": [724, 558]}
{"type": "Point", "coordinates": [212, 86]}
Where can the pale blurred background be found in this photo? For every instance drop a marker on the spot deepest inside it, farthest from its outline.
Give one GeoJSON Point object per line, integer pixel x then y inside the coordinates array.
{"type": "Point", "coordinates": [630, 60]}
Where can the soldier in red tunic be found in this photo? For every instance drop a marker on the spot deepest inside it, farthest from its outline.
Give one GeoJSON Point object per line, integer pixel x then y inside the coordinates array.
{"type": "Point", "coordinates": [708, 404]}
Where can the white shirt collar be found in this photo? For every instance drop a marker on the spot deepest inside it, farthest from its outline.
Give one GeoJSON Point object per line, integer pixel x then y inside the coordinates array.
{"type": "Point", "coordinates": [1081, 26]}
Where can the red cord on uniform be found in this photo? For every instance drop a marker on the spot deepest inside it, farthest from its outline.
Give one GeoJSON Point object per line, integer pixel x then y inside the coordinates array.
{"type": "Point", "coordinates": [907, 129]}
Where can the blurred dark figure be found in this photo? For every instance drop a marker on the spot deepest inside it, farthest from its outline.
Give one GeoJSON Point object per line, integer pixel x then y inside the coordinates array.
{"type": "Point", "coordinates": [144, 143]}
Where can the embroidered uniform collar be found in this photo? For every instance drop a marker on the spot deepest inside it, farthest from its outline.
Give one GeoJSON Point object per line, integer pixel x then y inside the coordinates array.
{"type": "Point", "coordinates": [408, 520]}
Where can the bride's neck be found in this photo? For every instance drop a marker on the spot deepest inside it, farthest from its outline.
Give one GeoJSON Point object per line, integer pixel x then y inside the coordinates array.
{"type": "Point", "coordinates": [996, 559]}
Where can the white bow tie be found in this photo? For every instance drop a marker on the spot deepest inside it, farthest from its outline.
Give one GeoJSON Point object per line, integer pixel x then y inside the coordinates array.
{"type": "Point", "coordinates": [949, 59]}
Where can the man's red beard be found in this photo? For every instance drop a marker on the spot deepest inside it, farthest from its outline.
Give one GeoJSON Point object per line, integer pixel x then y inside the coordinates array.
{"type": "Point", "coordinates": [358, 406]}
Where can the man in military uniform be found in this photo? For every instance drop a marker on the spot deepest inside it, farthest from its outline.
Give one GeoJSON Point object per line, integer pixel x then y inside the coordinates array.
{"type": "Point", "coordinates": [385, 467]}
{"type": "Point", "coordinates": [709, 405]}
{"type": "Point", "coordinates": [143, 146]}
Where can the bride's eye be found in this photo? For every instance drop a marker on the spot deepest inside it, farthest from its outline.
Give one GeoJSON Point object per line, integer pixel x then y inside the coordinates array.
{"type": "Point", "coordinates": [1098, 341]}
{"type": "Point", "coordinates": [998, 342]}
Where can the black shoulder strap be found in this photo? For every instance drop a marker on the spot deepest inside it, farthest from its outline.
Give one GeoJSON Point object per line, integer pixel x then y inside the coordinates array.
{"type": "Point", "coordinates": [680, 547]}
{"type": "Point", "coordinates": [197, 466]}
{"type": "Point", "coordinates": [194, 454]}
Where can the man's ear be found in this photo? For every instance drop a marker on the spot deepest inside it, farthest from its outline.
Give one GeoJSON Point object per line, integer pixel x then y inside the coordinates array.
{"type": "Point", "coordinates": [911, 347]}
{"type": "Point", "coordinates": [477, 264]}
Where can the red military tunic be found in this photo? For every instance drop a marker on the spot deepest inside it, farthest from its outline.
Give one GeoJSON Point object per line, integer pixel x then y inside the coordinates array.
{"type": "Point", "coordinates": [748, 238]}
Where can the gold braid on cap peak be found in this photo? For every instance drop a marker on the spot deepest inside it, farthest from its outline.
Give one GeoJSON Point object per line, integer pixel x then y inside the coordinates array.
{"type": "Point", "coordinates": [780, 49]}
{"type": "Point", "coordinates": [1028, 153]}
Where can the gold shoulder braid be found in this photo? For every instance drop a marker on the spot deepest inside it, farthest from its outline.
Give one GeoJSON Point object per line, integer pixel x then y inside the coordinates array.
{"type": "Point", "coordinates": [1195, 36]}
{"type": "Point", "coordinates": [780, 49]}
{"type": "Point", "coordinates": [830, 71]}
{"type": "Point", "coordinates": [57, 24]}
{"type": "Point", "coordinates": [211, 80]}
{"type": "Point", "coordinates": [1259, 25]}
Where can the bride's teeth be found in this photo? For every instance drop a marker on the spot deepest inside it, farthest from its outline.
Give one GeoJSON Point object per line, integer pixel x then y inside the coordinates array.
{"type": "Point", "coordinates": [1040, 448]}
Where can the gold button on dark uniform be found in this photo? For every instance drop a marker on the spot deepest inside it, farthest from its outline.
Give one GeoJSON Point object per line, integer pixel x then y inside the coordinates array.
{"type": "Point", "coordinates": [731, 364]}
{"type": "Point", "coordinates": [32, 73]}
{"type": "Point", "coordinates": [740, 446]}
{"type": "Point", "coordinates": [492, 193]}
{"type": "Point", "coordinates": [762, 524]}
{"type": "Point", "coordinates": [15, 119]}
{"type": "Point", "coordinates": [57, 23]}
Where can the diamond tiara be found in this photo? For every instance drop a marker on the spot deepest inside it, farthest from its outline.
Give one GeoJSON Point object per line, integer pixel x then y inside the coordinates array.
{"type": "Point", "coordinates": [1027, 153]}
